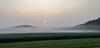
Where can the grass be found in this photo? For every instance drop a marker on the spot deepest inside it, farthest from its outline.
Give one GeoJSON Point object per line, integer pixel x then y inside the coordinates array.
{"type": "Point", "coordinates": [22, 37]}
{"type": "Point", "coordinates": [68, 43]}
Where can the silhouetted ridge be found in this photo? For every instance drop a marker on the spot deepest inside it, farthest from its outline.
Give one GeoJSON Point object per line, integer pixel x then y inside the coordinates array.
{"type": "Point", "coordinates": [25, 26]}
{"type": "Point", "coordinates": [90, 25]}
{"type": "Point", "coordinates": [93, 22]}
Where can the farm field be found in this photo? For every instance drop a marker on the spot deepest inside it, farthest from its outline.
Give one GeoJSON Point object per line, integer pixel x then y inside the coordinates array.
{"type": "Point", "coordinates": [22, 37]}
{"type": "Point", "coordinates": [68, 43]}
{"type": "Point", "coordinates": [50, 40]}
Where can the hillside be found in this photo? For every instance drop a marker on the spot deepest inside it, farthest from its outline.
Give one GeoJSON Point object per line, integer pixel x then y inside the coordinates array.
{"type": "Point", "coordinates": [18, 29]}
{"type": "Point", "coordinates": [90, 25]}
{"type": "Point", "coordinates": [93, 22]}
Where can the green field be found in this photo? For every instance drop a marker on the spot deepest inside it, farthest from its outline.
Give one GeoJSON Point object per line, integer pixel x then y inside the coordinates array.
{"type": "Point", "coordinates": [68, 43]}
{"type": "Point", "coordinates": [24, 37]}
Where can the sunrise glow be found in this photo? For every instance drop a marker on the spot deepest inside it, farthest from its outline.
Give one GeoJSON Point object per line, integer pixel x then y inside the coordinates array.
{"type": "Point", "coordinates": [45, 23]}
{"type": "Point", "coordinates": [48, 12]}
{"type": "Point", "coordinates": [45, 7]}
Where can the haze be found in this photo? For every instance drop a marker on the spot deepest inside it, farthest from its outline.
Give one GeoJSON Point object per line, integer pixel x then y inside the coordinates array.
{"type": "Point", "coordinates": [59, 13]}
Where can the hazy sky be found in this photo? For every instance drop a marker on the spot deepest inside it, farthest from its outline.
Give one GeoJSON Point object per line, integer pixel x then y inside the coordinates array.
{"type": "Point", "coordinates": [55, 12]}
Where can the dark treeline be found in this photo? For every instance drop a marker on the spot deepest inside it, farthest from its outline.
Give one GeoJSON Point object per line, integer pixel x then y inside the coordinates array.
{"type": "Point", "coordinates": [22, 37]}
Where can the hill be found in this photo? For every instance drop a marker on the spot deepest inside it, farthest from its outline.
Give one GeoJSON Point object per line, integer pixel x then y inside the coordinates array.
{"type": "Point", "coordinates": [18, 29]}
{"type": "Point", "coordinates": [93, 22]}
{"type": "Point", "coordinates": [27, 26]}
{"type": "Point", "coordinates": [90, 25]}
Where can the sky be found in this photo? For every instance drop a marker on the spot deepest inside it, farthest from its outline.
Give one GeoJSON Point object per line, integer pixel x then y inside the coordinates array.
{"type": "Point", "coordinates": [59, 13]}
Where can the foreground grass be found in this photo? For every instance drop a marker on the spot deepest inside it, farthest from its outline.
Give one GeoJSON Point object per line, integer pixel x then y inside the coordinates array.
{"type": "Point", "coordinates": [72, 43]}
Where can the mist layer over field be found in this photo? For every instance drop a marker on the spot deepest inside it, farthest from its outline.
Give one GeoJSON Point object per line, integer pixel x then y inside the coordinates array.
{"type": "Point", "coordinates": [44, 30]}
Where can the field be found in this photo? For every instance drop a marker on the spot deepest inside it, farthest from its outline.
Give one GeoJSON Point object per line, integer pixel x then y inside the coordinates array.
{"type": "Point", "coordinates": [71, 43]}
{"type": "Point", "coordinates": [50, 40]}
{"type": "Point", "coordinates": [22, 37]}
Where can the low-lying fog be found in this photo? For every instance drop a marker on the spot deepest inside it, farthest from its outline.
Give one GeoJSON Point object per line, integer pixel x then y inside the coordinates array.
{"type": "Point", "coordinates": [43, 30]}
